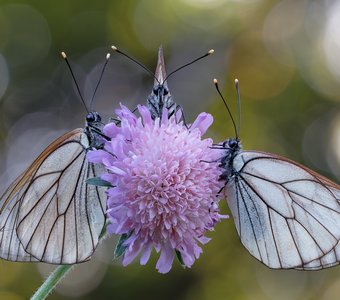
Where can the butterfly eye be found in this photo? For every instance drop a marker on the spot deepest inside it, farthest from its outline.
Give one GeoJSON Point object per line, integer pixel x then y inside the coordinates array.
{"type": "Point", "coordinates": [91, 117]}
{"type": "Point", "coordinates": [232, 143]}
{"type": "Point", "coordinates": [155, 90]}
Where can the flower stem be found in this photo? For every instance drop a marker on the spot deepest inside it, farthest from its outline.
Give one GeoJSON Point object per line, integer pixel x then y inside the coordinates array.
{"type": "Point", "coordinates": [50, 283]}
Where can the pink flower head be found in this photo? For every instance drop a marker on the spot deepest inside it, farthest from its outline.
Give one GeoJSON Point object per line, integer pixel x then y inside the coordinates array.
{"type": "Point", "coordinates": [166, 183]}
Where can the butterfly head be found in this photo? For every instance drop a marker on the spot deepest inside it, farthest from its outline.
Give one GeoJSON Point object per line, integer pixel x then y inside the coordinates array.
{"type": "Point", "coordinates": [160, 90]}
{"type": "Point", "coordinates": [94, 128]}
{"type": "Point", "coordinates": [93, 117]}
{"type": "Point", "coordinates": [160, 96]}
{"type": "Point", "coordinates": [232, 145]}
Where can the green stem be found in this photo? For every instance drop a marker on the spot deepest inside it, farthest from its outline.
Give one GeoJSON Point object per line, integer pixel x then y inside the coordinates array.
{"type": "Point", "coordinates": [50, 283]}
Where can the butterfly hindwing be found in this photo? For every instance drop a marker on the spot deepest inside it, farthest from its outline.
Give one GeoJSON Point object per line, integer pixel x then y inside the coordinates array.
{"type": "Point", "coordinates": [287, 216]}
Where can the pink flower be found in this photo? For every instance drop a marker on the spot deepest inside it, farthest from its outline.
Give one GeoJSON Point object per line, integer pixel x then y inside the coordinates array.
{"type": "Point", "coordinates": [165, 185]}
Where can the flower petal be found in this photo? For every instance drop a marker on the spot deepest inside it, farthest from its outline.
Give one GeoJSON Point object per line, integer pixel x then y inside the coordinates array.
{"type": "Point", "coordinates": [111, 130]}
{"type": "Point", "coordinates": [131, 253]}
{"type": "Point", "coordinates": [202, 122]}
{"type": "Point", "coordinates": [116, 170]}
{"type": "Point", "coordinates": [165, 116]}
{"type": "Point", "coordinates": [97, 156]}
{"type": "Point", "coordinates": [165, 261]}
{"type": "Point", "coordinates": [146, 254]}
{"type": "Point", "coordinates": [145, 113]}
{"type": "Point", "coordinates": [125, 114]}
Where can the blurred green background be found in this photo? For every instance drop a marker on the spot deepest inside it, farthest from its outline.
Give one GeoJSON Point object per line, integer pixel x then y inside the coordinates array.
{"type": "Point", "coordinates": [286, 56]}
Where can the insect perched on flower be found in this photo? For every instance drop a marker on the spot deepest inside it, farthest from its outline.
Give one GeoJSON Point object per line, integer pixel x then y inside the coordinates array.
{"type": "Point", "coordinates": [49, 213]}
{"type": "Point", "coordinates": [287, 216]}
{"type": "Point", "coordinates": [160, 96]}
{"type": "Point", "coordinates": [163, 192]}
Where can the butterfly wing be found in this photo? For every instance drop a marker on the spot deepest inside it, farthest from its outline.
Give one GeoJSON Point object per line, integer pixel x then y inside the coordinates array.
{"type": "Point", "coordinates": [10, 246]}
{"type": "Point", "coordinates": [286, 215]}
{"type": "Point", "coordinates": [52, 214]}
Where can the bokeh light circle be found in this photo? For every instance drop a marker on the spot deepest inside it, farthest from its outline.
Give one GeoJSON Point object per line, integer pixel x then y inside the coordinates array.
{"type": "Point", "coordinates": [331, 41]}
{"type": "Point", "coordinates": [25, 37]}
{"type": "Point", "coordinates": [84, 278]}
{"type": "Point", "coordinates": [333, 159]}
{"type": "Point", "coordinates": [282, 24]}
{"type": "Point", "coordinates": [321, 143]}
{"type": "Point", "coordinates": [4, 75]}
{"type": "Point", "coordinates": [260, 75]}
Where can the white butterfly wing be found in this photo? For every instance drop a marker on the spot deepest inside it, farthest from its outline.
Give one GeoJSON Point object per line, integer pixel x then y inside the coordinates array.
{"type": "Point", "coordinates": [10, 246]}
{"type": "Point", "coordinates": [286, 215]}
{"type": "Point", "coordinates": [56, 217]}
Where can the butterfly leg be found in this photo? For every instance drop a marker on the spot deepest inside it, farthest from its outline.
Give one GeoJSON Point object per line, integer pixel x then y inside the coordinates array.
{"type": "Point", "coordinates": [118, 121]}
{"type": "Point", "coordinates": [114, 120]}
{"type": "Point", "coordinates": [211, 161]}
{"type": "Point", "coordinates": [93, 129]}
{"type": "Point", "coordinates": [218, 148]}
{"type": "Point", "coordinates": [180, 109]}
{"type": "Point", "coordinates": [221, 189]}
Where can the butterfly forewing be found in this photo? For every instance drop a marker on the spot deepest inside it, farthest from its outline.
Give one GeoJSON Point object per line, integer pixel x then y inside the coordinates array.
{"type": "Point", "coordinates": [287, 216]}
{"type": "Point", "coordinates": [10, 246]}
{"type": "Point", "coordinates": [52, 214]}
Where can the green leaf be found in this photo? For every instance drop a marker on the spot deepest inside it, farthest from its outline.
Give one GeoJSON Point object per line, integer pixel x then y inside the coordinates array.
{"type": "Point", "coordinates": [120, 248]}
{"type": "Point", "coordinates": [98, 182]}
{"type": "Point", "coordinates": [179, 257]}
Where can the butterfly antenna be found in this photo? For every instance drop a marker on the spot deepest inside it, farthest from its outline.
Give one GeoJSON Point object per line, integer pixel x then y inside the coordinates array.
{"type": "Point", "coordinates": [100, 79]}
{"type": "Point", "coordinates": [226, 105]}
{"type": "Point", "coordinates": [239, 106]}
{"type": "Point", "coordinates": [63, 54]}
{"type": "Point", "coordinates": [211, 51]}
{"type": "Point", "coordinates": [114, 48]}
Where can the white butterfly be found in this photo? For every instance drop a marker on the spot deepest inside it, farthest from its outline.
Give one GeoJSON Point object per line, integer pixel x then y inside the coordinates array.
{"type": "Point", "coordinates": [49, 213]}
{"type": "Point", "coordinates": [287, 216]}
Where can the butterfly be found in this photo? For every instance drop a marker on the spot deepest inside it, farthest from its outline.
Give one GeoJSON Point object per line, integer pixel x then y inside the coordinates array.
{"type": "Point", "coordinates": [49, 213]}
{"type": "Point", "coordinates": [160, 96]}
{"type": "Point", "coordinates": [287, 216]}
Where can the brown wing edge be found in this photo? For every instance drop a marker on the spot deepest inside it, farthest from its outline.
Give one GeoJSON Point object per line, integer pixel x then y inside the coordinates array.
{"type": "Point", "coordinates": [26, 176]}
{"type": "Point", "coordinates": [20, 181]}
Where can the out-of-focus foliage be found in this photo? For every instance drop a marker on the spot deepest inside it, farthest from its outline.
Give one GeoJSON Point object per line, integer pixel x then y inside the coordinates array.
{"type": "Point", "coordinates": [286, 56]}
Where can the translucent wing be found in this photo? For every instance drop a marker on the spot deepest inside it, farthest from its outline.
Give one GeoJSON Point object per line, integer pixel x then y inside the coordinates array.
{"type": "Point", "coordinates": [10, 246]}
{"type": "Point", "coordinates": [286, 215]}
{"type": "Point", "coordinates": [50, 213]}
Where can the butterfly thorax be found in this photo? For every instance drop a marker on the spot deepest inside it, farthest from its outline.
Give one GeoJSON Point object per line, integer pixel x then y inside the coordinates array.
{"type": "Point", "coordinates": [93, 129]}
{"type": "Point", "coordinates": [160, 98]}
{"type": "Point", "coordinates": [231, 147]}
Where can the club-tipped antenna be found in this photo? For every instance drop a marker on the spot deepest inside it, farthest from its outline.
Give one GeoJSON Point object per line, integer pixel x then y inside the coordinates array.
{"type": "Point", "coordinates": [238, 106]}
{"type": "Point", "coordinates": [64, 56]}
{"type": "Point", "coordinates": [226, 105]}
{"type": "Point", "coordinates": [211, 51]}
{"type": "Point", "coordinates": [100, 79]}
{"type": "Point", "coordinates": [114, 48]}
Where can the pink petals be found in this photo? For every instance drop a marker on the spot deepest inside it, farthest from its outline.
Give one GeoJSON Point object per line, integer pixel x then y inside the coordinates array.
{"type": "Point", "coordinates": [166, 191]}
{"type": "Point", "coordinates": [202, 122]}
